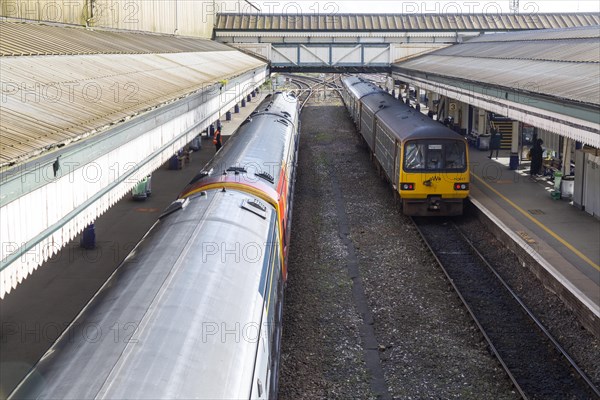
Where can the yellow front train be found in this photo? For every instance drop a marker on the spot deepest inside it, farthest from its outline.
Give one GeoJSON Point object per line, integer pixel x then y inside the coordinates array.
{"type": "Point", "coordinates": [426, 162]}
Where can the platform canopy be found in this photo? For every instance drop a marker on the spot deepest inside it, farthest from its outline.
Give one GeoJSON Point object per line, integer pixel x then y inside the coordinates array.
{"type": "Point", "coordinates": [88, 113]}
{"type": "Point", "coordinates": [547, 78]}
{"type": "Point", "coordinates": [60, 84]}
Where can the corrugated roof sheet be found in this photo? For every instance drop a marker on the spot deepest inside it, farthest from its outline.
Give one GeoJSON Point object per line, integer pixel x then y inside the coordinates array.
{"type": "Point", "coordinates": [53, 99]}
{"type": "Point", "coordinates": [563, 64]}
{"type": "Point", "coordinates": [28, 39]}
{"type": "Point", "coordinates": [581, 32]}
{"type": "Point", "coordinates": [573, 50]}
{"type": "Point", "coordinates": [577, 81]}
{"type": "Point", "coordinates": [403, 22]}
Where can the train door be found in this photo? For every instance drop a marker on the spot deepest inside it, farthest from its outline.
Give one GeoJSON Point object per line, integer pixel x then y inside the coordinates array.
{"type": "Point", "coordinates": [262, 365]}
{"type": "Point", "coordinates": [397, 163]}
{"type": "Point", "coordinates": [266, 369]}
{"type": "Point", "coordinates": [262, 370]}
{"type": "Point", "coordinates": [275, 322]}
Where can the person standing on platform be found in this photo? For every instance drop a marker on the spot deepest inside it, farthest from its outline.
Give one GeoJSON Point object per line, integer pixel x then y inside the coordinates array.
{"type": "Point", "coordinates": [536, 157]}
{"type": "Point", "coordinates": [217, 139]}
{"type": "Point", "coordinates": [495, 142]}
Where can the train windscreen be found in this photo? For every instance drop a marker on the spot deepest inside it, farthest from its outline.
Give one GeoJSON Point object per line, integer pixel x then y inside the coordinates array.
{"type": "Point", "coordinates": [435, 155]}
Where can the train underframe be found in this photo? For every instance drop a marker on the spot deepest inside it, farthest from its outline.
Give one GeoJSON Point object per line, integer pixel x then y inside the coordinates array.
{"type": "Point", "coordinates": [432, 206]}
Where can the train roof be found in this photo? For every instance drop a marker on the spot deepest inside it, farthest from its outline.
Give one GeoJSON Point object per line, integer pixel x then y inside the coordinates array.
{"type": "Point", "coordinates": [178, 318]}
{"type": "Point", "coordinates": [284, 104]}
{"type": "Point", "coordinates": [405, 122]}
{"type": "Point", "coordinates": [360, 87]}
{"type": "Point", "coordinates": [381, 100]}
{"type": "Point", "coordinates": [413, 125]}
{"type": "Point", "coordinates": [261, 143]}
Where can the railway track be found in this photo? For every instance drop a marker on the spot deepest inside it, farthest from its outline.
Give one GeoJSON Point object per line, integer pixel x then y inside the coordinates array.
{"type": "Point", "coordinates": [303, 90]}
{"type": "Point", "coordinates": [307, 86]}
{"type": "Point", "coordinates": [537, 365]}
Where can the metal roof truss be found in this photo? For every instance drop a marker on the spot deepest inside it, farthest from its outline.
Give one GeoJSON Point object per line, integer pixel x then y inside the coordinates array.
{"type": "Point", "coordinates": [335, 55]}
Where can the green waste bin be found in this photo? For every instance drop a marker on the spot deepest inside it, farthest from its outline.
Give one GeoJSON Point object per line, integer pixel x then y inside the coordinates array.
{"type": "Point", "coordinates": [142, 190]}
{"type": "Point", "coordinates": [557, 178]}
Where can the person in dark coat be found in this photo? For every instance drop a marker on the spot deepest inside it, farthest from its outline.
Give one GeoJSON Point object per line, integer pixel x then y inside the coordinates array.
{"type": "Point", "coordinates": [536, 157]}
{"type": "Point", "coordinates": [217, 139]}
{"type": "Point", "coordinates": [495, 141]}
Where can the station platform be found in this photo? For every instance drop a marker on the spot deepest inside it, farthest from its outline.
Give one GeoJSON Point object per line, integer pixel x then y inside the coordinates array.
{"type": "Point", "coordinates": [34, 314]}
{"type": "Point", "coordinates": [562, 239]}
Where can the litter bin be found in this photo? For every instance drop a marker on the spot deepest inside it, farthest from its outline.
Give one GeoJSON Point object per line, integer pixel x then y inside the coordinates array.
{"type": "Point", "coordinates": [483, 142]}
{"type": "Point", "coordinates": [88, 240]}
{"type": "Point", "coordinates": [557, 180]}
{"type": "Point", "coordinates": [514, 161]}
{"type": "Point", "coordinates": [556, 194]}
{"type": "Point", "coordinates": [567, 186]}
{"type": "Point", "coordinates": [196, 144]}
{"type": "Point", "coordinates": [149, 185]}
{"type": "Point", "coordinates": [139, 191]}
{"type": "Point", "coordinates": [174, 162]}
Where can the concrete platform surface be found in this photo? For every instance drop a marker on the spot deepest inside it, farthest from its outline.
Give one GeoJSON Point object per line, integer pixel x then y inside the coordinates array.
{"type": "Point", "coordinates": [563, 237]}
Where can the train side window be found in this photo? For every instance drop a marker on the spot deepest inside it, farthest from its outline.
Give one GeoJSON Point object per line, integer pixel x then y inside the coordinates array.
{"type": "Point", "coordinates": [283, 235]}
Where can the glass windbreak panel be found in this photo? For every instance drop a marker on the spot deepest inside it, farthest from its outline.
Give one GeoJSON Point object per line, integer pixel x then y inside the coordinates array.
{"type": "Point", "coordinates": [435, 155]}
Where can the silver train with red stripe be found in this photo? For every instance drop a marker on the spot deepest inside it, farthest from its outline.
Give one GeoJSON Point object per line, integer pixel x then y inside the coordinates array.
{"type": "Point", "coordinates": [194, 312]}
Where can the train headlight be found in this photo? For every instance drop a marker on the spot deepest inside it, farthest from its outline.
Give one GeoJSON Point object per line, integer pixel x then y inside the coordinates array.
{"type": "Point", "coordinates": [461, 186]}
{"type": "Point", "coordinates": [407, 186]}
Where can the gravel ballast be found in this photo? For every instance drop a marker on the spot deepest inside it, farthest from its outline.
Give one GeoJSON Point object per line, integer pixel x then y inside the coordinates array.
{"type": "Point", "coordinates": [346, 216]}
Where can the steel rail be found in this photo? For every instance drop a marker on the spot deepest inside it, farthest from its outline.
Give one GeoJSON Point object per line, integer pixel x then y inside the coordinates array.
{"type": "Point", "coordinates": [538, 323]}
{"type": "Point", "coordinates": [528, 312]}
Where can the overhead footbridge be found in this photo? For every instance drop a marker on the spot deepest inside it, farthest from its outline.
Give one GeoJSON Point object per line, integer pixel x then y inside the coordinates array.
{"type": "Point", "coordinates": [367, 42]}
{"type": "Point", "coordinates": [86, 114]}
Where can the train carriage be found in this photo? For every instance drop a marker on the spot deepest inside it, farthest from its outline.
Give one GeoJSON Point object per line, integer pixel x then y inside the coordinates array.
{"type": "Point", "coordinates": [432, 175]}
{"type": "Point", "coordinates": [357, 89]}
{"type": "Point", "coordinates": [263, 163]}
{"type": "Point", "coordinates": [371, 123]}
{"type": "Point", "coordinates": [195, 309]}
{"type": "Point", "coordinates": [169, 323]}
{"type": "Point", "coordinates": [426, 163]}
